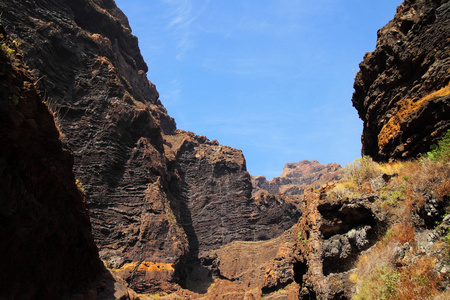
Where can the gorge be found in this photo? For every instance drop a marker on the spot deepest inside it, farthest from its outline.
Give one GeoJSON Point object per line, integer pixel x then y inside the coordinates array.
{"type": "Point", "coordinates": [102, 197]}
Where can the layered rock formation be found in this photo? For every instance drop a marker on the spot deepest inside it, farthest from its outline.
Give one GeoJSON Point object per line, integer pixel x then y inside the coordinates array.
{"type": "Point", "coordinates": [90, 69]}
{"type": "Point", "coordinates": [171, 208]}
{"type": "Point", "coordinates": [216, 205]}
{"type": "Point", "coordinates": [158, 196]}
{"type": "Point", "coordinates": [311, 260]}
{"type": "Point", "coordinates": [47, 251]}
{"type": "Point", "coordinates": [297, 177]}
{"type": "Point", "coordinates": [402, 90]}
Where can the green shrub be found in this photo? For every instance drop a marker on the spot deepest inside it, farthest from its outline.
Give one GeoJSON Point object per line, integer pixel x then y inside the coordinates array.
{"type": "Point", "coordinates": [380, 284]}
{"type": "Point", "coordinates": [441, 151]}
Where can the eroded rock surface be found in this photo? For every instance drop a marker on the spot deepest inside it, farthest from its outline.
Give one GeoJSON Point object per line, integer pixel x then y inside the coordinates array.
{"type": "Point", "coordinates": [297, 177]}
{"type": "Point", "coordinates": [157, 196]}
{"type": "Point", "coordinates": [331, 235]}
{"type": "Point", "coordinates": [47, 249]}
{"type": "Point", "coordinates": [402, 90]}
{"type": "Point", "coordinates": [90, 69]}
{"type": "Point", "coordinates": [218, 207]}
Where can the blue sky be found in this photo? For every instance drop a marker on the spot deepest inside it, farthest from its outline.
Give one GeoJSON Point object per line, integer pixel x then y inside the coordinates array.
{"type": "Point", "coordinates": [273, 78]}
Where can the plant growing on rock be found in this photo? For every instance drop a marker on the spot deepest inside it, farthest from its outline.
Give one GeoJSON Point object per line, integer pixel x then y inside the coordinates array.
{"type": "Point", "coordinates": [362, 170]}
{"type": "Point", "coordinates": [441, 151]}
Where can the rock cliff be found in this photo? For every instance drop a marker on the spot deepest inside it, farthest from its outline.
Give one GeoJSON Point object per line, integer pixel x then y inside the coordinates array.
{"type": "Point", "coordinates": [216, 202]}
{"type": "Point", "coordinates": [297, 177]}
{"type": "Point", "coordinates": [157, 196]}
{"type": "Point", "coordinates": [173, 210]}
{"type": "Point", "coordinates": [47, 251]}
{"type": "Point", "coordinates": [402, 90]}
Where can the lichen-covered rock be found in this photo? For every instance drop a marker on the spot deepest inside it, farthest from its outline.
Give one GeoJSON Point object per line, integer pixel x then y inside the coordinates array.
{"type": "Point", "coordinates": [402, 90]}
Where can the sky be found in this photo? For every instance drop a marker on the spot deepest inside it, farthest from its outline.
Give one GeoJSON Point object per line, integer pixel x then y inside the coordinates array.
{"type": "Point", "coordinates": [273, 78]}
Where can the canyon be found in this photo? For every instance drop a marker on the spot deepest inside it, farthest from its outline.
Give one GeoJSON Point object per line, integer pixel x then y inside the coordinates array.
{"type": "Point", "coordinates": [102, 197]}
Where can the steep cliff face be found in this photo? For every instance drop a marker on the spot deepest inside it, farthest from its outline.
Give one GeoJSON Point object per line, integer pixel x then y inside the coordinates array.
{"type": "Point", "coordinates": [47, 246]}
{"type": "Point", "coordinates": [297, 177]}
{"type": "Point", "coordinates": [402, 90]}
{"type": "Point", "coordinates": [311, 260]}
{"type": "Point", "coordinates": [216, 200]}
{"type": "Point", "coordinates": [89, 67]}
{"type": "Point", "coordinates": [157, 196]}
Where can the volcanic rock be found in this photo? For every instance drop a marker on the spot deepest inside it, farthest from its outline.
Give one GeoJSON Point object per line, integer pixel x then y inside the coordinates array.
{"type": "Point", "coordinates": [47, 249]}
{"type": "Point", "coordinates": [297, 177]}
{"type": "Point", "coordinates": [157, 196]}
{"type": "Point", "coordinates": [218, 207]}
{"type": "Point", "coordinates": [402, 90]}
{"type": "Point", "coordinates": [90, 69]}
{"type": "Point", "coordinates": [331, 234]}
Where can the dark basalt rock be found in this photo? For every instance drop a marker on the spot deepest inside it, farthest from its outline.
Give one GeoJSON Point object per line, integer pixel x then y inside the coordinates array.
{"type": "Point", "coordinates": [156, 196]}
{"type": "Point", "coordinates": [47, 249]}
{"type": "Point", "coordinates": [90, 68]}
{"type": "Point", "coordinates": [216, 202]}
{"type": "Point", "coordinates": [402, 90]}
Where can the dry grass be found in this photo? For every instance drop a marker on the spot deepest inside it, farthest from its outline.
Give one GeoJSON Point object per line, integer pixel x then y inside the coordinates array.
{"type": "Point", "coordinates": [375, 272]}
{"type": "Point", "coordinates": [418, 280]}
{"type": "Point", "coordinates": [402, 232]}
{"type": "Point", "coordinates": [394, 268]}
{"type": "Point", "coordinates": [377, 275]}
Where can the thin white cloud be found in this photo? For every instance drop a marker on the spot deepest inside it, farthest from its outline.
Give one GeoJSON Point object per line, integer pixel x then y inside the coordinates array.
{"type": "Point", "coordinates": [184, 14]}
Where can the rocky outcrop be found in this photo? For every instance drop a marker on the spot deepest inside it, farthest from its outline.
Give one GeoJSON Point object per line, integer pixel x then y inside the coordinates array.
{"type": "Point", "coordinates": [402, 90]}
{"type": "Point", "coordinates": [217, 205]}
{"type": "Point", "coordinates": [255, 269]}
{"type": "Point", "coordinates": [311, 260]}
{"type": "Point", "coordinates": [158, 197]}
{"type": "Point", "coordinates": [297, 177]}
{"type": "Point", "coordinates": [47, 251]}
{"type": "Point", "coordinates": [331, 235]}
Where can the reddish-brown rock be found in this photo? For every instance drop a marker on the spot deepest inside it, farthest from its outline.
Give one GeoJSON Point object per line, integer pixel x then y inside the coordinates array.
{"type": "Point", "coordinates": [297, 177]}
{"type": "Point", "coordinates": [330, 236]}
{"type": "Point", "coordinates": [402, 90]}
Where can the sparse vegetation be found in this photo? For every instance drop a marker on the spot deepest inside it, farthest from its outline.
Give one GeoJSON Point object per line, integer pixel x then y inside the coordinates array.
{"type": "Point", "coordinates": [362, 171]}
{"type": "Point", "coordinates": [441, 151]}
{"type": "Point", "coordinates": [79, 185]}
{"type": "Point", "coordinates": [395, 268]}
{"type": "Point", "coordinates": [300, 238]}
{"type": "Point", "coordinates": [10, 48]}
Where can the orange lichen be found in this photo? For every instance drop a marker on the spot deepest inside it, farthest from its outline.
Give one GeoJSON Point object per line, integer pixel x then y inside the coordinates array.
{"type": "Point", "coordinates": [405, 107]}
{"type": "Point", "coordinates": [148, 266]}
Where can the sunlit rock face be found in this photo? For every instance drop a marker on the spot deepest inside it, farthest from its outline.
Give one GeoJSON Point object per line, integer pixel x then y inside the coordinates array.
{"type": "Point", "coordinates": [157, 196]}
{"type": "Point", "coordinates": [90, 69]}
{"type": "Point", "coordinates": [297, 177]}
{"type": "Point", "coordinates": [402, 90]}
